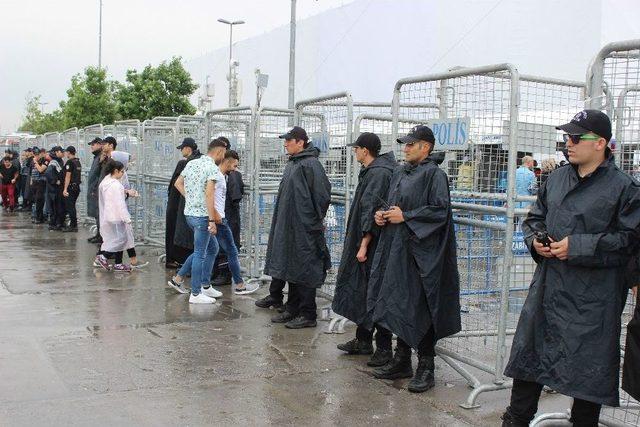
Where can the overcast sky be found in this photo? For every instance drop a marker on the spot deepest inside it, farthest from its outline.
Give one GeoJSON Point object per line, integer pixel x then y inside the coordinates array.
{"type": "Point", "coordinates": [43, 42]}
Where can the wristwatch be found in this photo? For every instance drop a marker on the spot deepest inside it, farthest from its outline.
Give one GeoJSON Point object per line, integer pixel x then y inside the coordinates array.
{"type": "Point", "coordinates": [212, 220]}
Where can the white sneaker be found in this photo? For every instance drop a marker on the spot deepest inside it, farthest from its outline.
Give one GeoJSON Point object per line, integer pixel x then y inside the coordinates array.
{"type": "Point", "coordinates": [249, 288]}
{"type": "Point", "coordinates": [211, 292]}
{"type": "Point", "coordinates": [201, 299]}
{"type": "Point", "coordinates": [178, 286]}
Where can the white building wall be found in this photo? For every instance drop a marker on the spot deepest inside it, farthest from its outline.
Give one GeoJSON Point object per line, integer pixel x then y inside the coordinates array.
{"type": "Point", "coordinates": [366, 46]}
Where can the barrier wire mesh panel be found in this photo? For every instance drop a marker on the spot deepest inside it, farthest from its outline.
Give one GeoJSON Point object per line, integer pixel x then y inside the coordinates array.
{"type": "Point", "coordinates": [472, 125]}
{"type": "Point", "coordinates": [236, 125]}
{"type": "Point", "coordinates": [329, 124]}
{"type": "Point", "coordinates": [159, 152]}
{"type": "Point", "coordinates": [614, 87]}
{"type": "Point", "coordinates": [269, 166]}
{"type": "Point", "coordinates": [128, 135]}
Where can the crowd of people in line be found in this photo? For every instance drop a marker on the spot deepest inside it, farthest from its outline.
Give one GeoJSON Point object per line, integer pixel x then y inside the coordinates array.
{"type": "Point", "coordinates": [45, 183]}
{"type": "Point", "coordinates": [398, 273]}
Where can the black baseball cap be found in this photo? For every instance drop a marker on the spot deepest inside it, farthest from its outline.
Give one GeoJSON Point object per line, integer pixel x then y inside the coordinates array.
{"type": "Point", "coordinates": [110, 140]}
{"type": "Point", "coordinates": [418, 133]}
{"type": "Point", "coordinates": [296, 132]}
{"type": "Point", "coordinates": [368, 140]}
{"type": "Point", "coordinates": [589, 121]}
{"type": "Point", "coordinates": [57, 148]}
{"type": "Point", "coordinates": [35, 149]}
{"type": "Point", "coordinates": [71, 149]}
{"type": "Point", "coordinates": [188, 142]}
{"type": "Point", "coordinates": [95, 140]}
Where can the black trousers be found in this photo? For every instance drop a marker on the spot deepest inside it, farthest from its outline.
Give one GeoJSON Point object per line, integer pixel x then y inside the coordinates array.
{"type": "Point", "coordinates": [302, 301]}
{"type": "Point", "coordinates": [383, 336]}
{"type": "Point", "coordinates": [37, 191]}
{"type": "Point", "coordinates": [56, 216]}
{"type": "Point", "coordinates": [117, 256]}
{"type": "Point", "coordinates": [427, 346]}
{"type": "Point", "coordinates": [524, 405]}
{"type": "Point", "coordinates": [70, 204]}
{"type": "Point", "coordinates": [276, 289]}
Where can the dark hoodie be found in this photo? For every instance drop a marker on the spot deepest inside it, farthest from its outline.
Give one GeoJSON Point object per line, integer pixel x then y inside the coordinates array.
{"type": "Point", "coordinates": [297, 251]}
{"type": "Point", "coordinates": [350, 299]}
{"type": "Point", "coordinates": [414, 281]}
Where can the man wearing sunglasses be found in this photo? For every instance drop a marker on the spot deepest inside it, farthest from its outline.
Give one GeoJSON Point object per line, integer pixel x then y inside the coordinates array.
{"type": "Point", "coordinates": [568, 335]}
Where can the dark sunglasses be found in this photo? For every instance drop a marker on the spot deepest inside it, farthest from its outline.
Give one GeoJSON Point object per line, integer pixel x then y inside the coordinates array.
{"type": "Point", "coordinates": [577, 138]}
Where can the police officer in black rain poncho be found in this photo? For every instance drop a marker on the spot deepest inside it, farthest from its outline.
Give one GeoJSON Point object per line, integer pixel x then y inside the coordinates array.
{"type": "Point", "coordinates": [361, 240]}
{"type": "Point", "coordinates": [297, 251]}
{"type": "Point", "coordinates": [414, 289]}
{"type": "Point", "coordinates": [568, 334]}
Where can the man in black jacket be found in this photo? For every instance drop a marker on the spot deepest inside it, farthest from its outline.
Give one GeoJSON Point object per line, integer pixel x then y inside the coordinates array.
{"type": "Point", "coordinates": [360, 243]}
{"type": "Point", "coordinates": [297, 251]}
{"type": "Point", "coordinates": [93, 181]}
{"type": "Point", "coordinates": [568, 334]}
{"type": "Point", "coordinates": [235, 191]}
{"type": "Point", "coordinates": [414, 289]}
{"type": "Point", "coordinates": [54, 178]}
{"type": "Point", "coordinates": [175, 253]}
{"type": "Point", "coordinates": [71, 187]}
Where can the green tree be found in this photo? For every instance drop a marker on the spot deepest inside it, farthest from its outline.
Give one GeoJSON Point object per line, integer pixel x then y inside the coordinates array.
{"type": "Point", "coordinates": [90, 99]}
{"type": "Point", "coordinates": [156, 91]}
{"type": "Point", "coordinates": [37, 122]}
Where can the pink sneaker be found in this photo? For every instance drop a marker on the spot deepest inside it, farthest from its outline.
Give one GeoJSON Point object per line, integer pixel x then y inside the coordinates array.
{"type": "Point", "coordinates": [123, 268]}
{"type": "Point", "coordinates": [101, 261]}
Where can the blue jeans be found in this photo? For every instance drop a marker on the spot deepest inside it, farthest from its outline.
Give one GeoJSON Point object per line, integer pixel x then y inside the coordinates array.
{"type": "Point", "coordinates": [224, 236]}
{"type": "Point", "coordinates": [205, 250]}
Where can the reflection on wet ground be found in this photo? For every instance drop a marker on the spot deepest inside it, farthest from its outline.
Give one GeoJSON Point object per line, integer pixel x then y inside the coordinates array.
{"type": "Point", "coordinates": [82, 346]}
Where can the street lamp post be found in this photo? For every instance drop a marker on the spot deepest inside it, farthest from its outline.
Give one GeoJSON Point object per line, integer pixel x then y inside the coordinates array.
{"type": "Point", "coordinates": [230, 24]}
{"type": "Point", "coordinates": [100, 38]}
{"type": "Point", "coordinates": [292, 55]}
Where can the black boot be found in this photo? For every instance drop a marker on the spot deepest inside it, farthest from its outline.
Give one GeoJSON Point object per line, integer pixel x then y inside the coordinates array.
{"type": "Point", "coordinates": [380, 358]}
{"type": "Point", "coordinates": [282, 317]}
{"type": "Point", "coordinates": [268, 302]}
{"type": "Point", "coordinates": [356, 346]}
{"type": "Point", "coordinates": [300, 322]}
{"type": "Point", "coordinates": [398, 367]}
{"type": "Point", "coordinates": [423, 379]}
{"type": "Point", "coordinates": [509, 421]}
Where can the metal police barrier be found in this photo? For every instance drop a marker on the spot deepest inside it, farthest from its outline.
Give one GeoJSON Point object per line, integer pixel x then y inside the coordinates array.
{"type": "Point", "coordinates": [128, 134]}
{"type": "Point", "coordinates": [159, 152]}
{"type": "Point", "coordinates": [51, 139]}
{"type": "Point", "coordinates": [328, 121]}
{"type": "Point", "coordinates": [269, 161]}
{"type": "Point", "coordinates": [613, 85]}
{"type": "Point", "coordinates": [473, 106]}
{"type": "Point", "coordinates": [236, 124]}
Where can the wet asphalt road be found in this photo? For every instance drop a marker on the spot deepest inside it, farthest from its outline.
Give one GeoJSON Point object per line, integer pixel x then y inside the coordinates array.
{"type": "Point", "coordinates": [82, 346]}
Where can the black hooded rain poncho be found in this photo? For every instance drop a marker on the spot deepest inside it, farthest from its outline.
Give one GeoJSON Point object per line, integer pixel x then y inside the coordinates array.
{"type": "Point", "coordinates": [568, 334]}
{"type": "Point", "coordinates": [414, 281]}
{"type": "Point", "coordinates": [174, 250]}
{"type": "Point", "coordinates": [297, 250]}
{"type": "Point", "coordinates": [350, 299]}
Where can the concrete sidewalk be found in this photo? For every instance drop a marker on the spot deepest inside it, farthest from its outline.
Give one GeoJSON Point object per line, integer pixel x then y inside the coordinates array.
{"type": "Point", "coordinates": [82, 346]}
